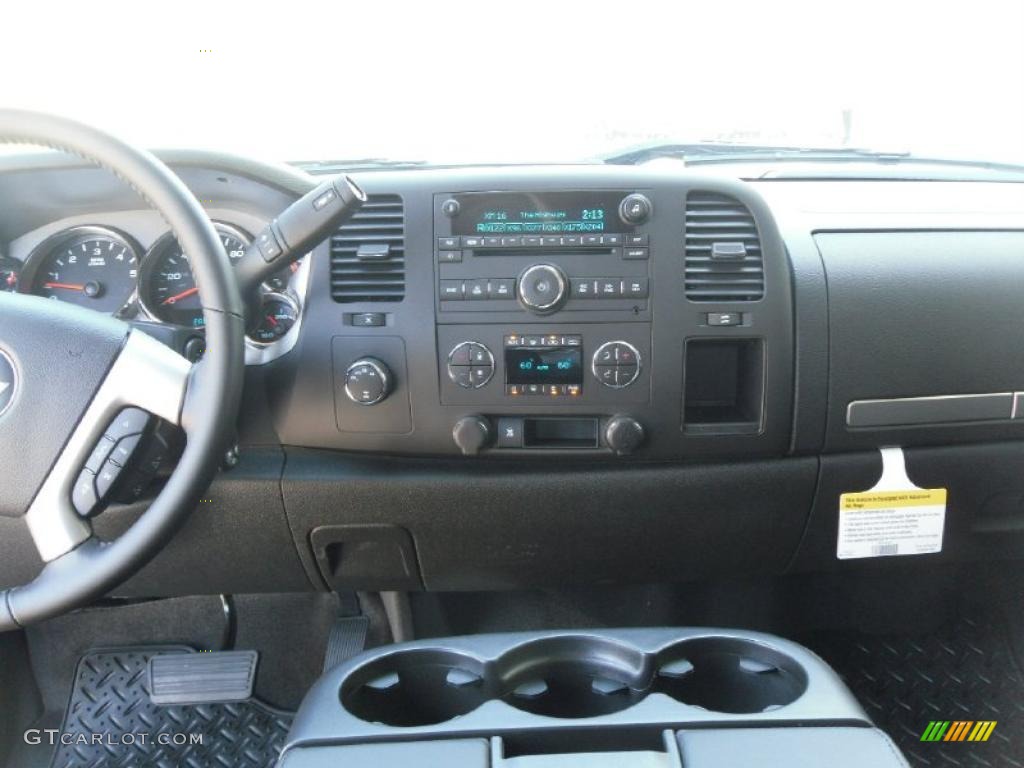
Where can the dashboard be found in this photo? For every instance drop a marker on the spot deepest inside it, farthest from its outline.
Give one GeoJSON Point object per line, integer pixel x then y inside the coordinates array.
{"type": "Point", "coordinates": [591, 373]}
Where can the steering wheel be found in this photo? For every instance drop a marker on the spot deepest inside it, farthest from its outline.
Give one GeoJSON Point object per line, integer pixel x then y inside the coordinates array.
{"type": "Point", "coordinates": [70, 372]}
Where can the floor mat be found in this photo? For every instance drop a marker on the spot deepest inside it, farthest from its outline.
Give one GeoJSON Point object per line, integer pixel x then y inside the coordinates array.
{"type": "Point", "coordinates": [966, 671]}
{"type": "Point", "coordinates": [110, 721]}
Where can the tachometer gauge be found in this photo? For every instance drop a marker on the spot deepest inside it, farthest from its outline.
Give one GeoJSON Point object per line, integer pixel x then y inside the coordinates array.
{"type": "Point", "coordinates": [93, 267]}
{"type": "Point", "coordinates": [9, 269]}
{"type": "Point", "coordinates": [167, 288]}
{"type": "Point", "coordinates": [277, 315]}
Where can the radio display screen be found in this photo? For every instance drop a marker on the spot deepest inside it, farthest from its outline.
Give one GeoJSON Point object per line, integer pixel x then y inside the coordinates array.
{"type": "Point", "coordinates": [554, 365]}
{"type": "Point", "coordinates": [545, 213]}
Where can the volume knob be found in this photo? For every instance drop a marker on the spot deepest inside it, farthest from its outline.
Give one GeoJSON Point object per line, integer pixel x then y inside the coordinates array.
{"type": "Point", "coordinates": [542, 288]}
{"type": "Point", "coordinates": [623, 434]}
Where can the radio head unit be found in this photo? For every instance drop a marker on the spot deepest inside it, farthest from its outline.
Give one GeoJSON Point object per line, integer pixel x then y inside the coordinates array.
{"type": "Point", "coordinates": [543, 252]}
{"type": "Point", "coordinates": [538, 213]}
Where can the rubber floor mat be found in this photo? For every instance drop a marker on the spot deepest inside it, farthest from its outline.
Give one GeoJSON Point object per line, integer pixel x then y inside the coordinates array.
{"type": "Point", "coordinates": [110, 722]}
{"type": "Point", "coordinates": [966, 671]}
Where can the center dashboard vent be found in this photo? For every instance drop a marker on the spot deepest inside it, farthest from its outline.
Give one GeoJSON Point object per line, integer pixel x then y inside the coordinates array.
{"type": "Point", "coordinates": [368, 253]}
{"type": "Point", "coordinates": [723, 251]}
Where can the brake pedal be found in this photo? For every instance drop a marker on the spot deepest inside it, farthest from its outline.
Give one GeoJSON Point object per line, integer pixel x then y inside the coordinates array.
{"type": "Point", "coordinates": [202, 678]}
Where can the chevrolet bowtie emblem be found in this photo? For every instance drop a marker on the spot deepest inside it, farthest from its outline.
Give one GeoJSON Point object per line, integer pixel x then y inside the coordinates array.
{"type": "Point", "coordinates": [7, 379]}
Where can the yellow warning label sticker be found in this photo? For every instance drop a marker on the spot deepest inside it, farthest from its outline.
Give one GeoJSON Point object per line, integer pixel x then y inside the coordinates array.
{"type": "Point", "coordinates": [880, 523]}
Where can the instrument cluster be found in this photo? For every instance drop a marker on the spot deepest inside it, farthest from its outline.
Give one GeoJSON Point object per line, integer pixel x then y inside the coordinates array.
{"type": "Point", "coordinates": [106, 269]}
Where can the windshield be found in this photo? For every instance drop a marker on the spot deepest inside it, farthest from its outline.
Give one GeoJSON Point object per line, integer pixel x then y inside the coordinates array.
{"type": "Point", "coordinates": [469, 82]}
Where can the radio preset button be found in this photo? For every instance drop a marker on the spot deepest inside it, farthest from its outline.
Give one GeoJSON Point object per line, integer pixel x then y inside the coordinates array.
{"type": "Point", "coordinates": [451, 290]}
{"type": "Point", "coordinates": [635, 287]}
{"type": "Point", "coordinates": [532, 240]}
{"type": "Point", "coordinates": [447, 243]}
{"type": "Point", "coordinates": [611, 239]}
{"type": "Point", "coordinates": [514, 241]}
{"type": "Point", "coordinates": [502, 289]}
{"type": "Point", "coordinates": [592, 239]}
{"type": "Point", "coordinates": [476, 289]}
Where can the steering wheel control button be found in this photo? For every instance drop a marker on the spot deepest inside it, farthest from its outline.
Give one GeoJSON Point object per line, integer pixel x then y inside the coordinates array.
{"type": "Point", "coordinates": [367, 381]}
{"type": "Point", "coordinates": [616, 364]}
{"type": "Point", "coordinates": [83, 495]}
{"type": "Point", "coordinates": [542, 288]}
{"type": "Point", "coordinates": [99, 454]}
{"type": "Point", "coordinates": [106, 478]}
{"type": "Point", "coordinates": [125, 449]}
{"type": "Point", "coordinates": [130, 421]}
{"type": "Point", "coordinates": [470, 364]}
{"type": "Point", "coordinates": [635, 209]}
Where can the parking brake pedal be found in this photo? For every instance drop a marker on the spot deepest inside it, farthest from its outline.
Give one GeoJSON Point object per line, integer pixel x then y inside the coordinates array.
{"type": "Point", "coordinates": [202, 678]}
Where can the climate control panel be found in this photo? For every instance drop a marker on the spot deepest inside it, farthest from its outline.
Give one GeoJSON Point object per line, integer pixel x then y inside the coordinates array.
{"type": "Point", "coordinates": [564, 365]}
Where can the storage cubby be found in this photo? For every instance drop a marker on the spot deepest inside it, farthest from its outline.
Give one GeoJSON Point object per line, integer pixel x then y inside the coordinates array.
{"type": "Point", "coordinates": [723, 386]}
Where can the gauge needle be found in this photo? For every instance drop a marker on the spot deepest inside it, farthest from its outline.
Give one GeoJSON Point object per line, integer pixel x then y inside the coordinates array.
{"type": "Point", "coordinates": [65, 286]}
{"type": "Point", "coordinates": [273, 320]}
{"type": "Point", "coordinates": [179, 296]}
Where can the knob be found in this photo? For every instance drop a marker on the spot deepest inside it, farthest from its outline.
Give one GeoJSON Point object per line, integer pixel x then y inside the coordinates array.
{"type": "Point", "coordinates": [635, 209]}
{"type": "Point", "coordinates": [367, 381]}
{"type": "Point", "coordinates": [471, 434]}
{"type": "Point", "coordinates": [623, 434]}
{"type": "Point", "coordinates": [542, 288]}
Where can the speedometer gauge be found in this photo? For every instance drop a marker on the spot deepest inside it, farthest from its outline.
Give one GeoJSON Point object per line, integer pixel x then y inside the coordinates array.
{"type": "Point", "coordinates": [93, 267]}
{"type": "Point", "coordinates": [167, 287]}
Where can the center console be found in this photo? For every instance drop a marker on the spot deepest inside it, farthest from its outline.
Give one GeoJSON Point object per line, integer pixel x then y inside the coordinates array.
{"type": "Point", "coordinates": [668, 698]}
{"type": "Point", "coordinates": [605, 312]}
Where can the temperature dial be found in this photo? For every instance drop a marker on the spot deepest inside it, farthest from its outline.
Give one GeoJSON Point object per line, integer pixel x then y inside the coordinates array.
{"type": "Point", "coordinates": [367, 381]}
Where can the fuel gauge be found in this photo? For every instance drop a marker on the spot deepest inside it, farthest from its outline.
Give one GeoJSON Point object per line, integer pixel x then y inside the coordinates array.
{"type": "Point", "coordinates": [277, 316]}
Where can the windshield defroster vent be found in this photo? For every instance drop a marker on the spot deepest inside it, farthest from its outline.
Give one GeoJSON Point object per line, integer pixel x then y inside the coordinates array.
{"type": "Point", "coordinates": [368, 253]}
{"type": "Point", "coordinates": [723, 250]}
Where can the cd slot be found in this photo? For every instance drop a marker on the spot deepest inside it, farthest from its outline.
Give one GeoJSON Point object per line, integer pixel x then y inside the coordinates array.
{"type": "Point", "coordinates": [542, 253]}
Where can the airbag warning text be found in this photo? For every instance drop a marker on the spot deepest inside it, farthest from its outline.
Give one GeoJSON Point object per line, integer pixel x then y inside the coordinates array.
{"type": "Point", "coordinates": [886, 523]}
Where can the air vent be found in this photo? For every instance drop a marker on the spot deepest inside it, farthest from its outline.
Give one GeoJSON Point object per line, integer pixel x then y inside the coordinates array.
{"type": "Point", "coordinates": [368, 253]}
{"type": "Point", "coordinates": [723, 251]}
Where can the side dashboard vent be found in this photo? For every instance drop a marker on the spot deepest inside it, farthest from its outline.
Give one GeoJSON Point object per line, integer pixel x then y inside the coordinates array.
{"type": "Point", "coordinates": [723, 250]}
{"type": "Point", "coordinates": [368, 253]}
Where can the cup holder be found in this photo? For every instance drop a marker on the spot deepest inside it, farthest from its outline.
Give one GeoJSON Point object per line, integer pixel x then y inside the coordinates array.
{"type": "Point", "coordinates": [730, 675]}
{"type": "Point", "coordinates": [415, 688]}
{"type": "Point", "coordinates": [573, 677]}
